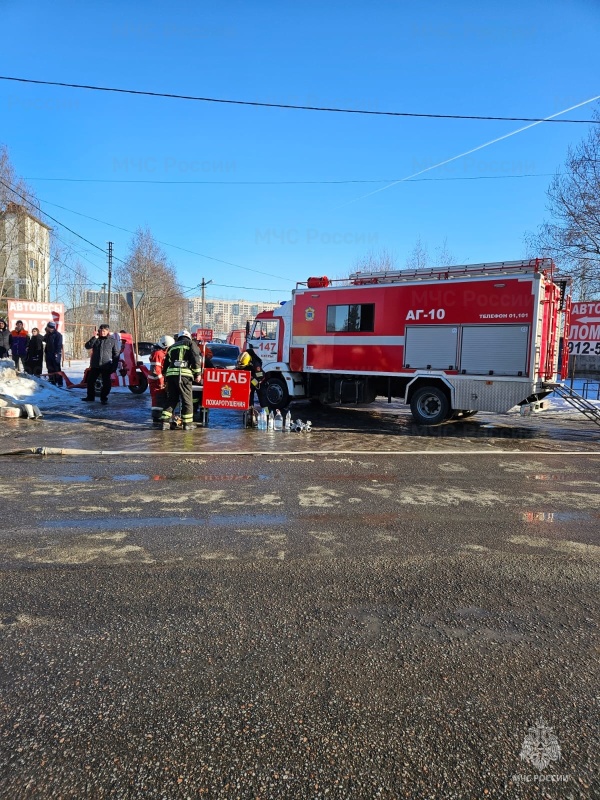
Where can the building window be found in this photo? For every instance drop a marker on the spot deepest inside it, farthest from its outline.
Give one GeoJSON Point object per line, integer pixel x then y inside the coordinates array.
{"type": "Point", "coordinates": [351, 318]}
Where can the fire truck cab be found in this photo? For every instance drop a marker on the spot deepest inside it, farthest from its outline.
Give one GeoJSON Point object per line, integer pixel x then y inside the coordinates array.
{"type": "Point", "coordinates": [448, 341]}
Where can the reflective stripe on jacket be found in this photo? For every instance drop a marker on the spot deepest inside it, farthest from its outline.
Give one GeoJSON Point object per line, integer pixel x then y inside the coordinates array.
{"type": "Point", "coordinates": [183, 358]}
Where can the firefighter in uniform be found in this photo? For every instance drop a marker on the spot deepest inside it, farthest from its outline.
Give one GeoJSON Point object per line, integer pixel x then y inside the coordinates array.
{"type": "Point", "coordinates": [251, 361]}
{"type": "Point", "coordinates": [181, 368]}
{"type": "Point", "coordinates": [158, 392]}
{"type": "Point", "coordinates": [200, 413]}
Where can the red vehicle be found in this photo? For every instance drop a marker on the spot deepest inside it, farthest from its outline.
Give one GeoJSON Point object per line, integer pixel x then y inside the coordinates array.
{"type": "Point", "coordinates": [448, 341]}
{"type": "Point", "coordinates": [237, 337]}
{"type": "Point", "coordinates": [130, 372]}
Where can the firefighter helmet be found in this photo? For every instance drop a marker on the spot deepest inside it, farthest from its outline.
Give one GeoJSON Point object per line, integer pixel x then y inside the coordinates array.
{"type": "Point", "coordinates": [166, 341]}
{"type": "Point", "coordinates": [244, 360]}
{"type": "Point", "coordinates": [183, 333]}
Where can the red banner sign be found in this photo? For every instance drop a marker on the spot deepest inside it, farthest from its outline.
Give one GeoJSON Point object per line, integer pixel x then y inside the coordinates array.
{"type": "Point", "coordinates": [35, 315]}
{"type": "Point", "coordinates": [226, 388]}
{"type": "Point", "coordinates": [585, 322]}
{"type": "Point", "coordinates": [203, 334]}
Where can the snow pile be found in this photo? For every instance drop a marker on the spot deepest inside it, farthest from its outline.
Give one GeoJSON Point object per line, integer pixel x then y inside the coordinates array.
{"type": "Point", "coordinates": [591, 392]}
{"type": "Point", "coordinates": [19, 388]}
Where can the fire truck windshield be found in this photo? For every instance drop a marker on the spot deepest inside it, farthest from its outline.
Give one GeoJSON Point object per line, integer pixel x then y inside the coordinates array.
{"type": "Point", "coordinates": [264, 329]}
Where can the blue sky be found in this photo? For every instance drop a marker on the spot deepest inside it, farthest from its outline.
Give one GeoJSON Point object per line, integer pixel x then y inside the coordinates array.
{"type": "Point", "coordinates": [525, 59]}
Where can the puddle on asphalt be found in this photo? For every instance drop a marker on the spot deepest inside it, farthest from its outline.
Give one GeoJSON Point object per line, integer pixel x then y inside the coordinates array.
{"type": "Point", "coordinates": [556, 516]}
{"type": "Point", "coordinates": [120, 523]}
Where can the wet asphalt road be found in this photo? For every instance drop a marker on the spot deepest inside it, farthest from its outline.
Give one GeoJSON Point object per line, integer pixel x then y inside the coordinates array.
{"type": "Point", "coordinates": [371, 610]}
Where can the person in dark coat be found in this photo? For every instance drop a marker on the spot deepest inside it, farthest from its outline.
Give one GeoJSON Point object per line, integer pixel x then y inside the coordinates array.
{"type": "Point", "coordinates": [250, 361]}
{"type": "Point", "coordinates": [5, 340]}
{"type": "Point", "coordinates": [54, 347]}
{"type": "Point", "coordinates": [34, 357]}
{"type": "Point", "coordinates": [103, 362]}
{"type": "Point", "coordinates": [20, 340]}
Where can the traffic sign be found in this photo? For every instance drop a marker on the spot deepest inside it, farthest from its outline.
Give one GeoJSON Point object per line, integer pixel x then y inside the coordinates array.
{"type": "Point", "coordinates": [133, 299]}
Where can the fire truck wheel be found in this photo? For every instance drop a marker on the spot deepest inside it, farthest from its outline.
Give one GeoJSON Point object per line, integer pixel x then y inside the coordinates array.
{"type": "Point", "coordinates": [141, 386]}
{"type": "Point", "coordinates": [276, 394]}
{"type": "Point", "coordinates": [429, 406]}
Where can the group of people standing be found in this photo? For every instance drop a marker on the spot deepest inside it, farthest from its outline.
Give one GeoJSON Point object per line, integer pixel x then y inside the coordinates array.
{"type": "Point", "coordinates": [176, 362]}
{"type": "Point", "coordinates": [29, 351]}
{"type": "Point", "coordinates": [176, 365]}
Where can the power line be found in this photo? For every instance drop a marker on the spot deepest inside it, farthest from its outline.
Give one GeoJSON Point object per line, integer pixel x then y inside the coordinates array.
{"type": "Point", "coordinates": [250, 288]}
{"type": "Point", "coordinates": [78, 253]}
{"type": "Point", "coordinates": [291, 183]}
{"type": "Point", "coordinates": [23, 197]}
{"type": "Point", "coordinates": [290, 106]}
{"type": "Point", "coordinates": [473, 150]}
{"type": "Point", "coordinates": [166, 244]}
{"type": "Point", "coordinates": [126, 230]}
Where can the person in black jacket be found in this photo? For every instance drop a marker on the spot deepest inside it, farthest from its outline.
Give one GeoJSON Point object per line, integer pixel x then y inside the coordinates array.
{"type": "Point", "coordinates": [250, 361]}
{"type": "Point", "coordinates": [5, 340]}
{"type": "Point", "coordinates": [54, 345]}
{"type": "Point", "coordinates": [103, 362]}
{"type": "Point", "coordinates": [34, 355]}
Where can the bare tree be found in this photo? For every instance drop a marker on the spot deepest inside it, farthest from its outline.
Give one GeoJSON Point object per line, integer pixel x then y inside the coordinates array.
{"type": "Point", "coordinates": [572, 235]}
{"type": "Point", "coordinates": [376, 261]}
{"type": "Point", "coordinates": [12, 188]}
{"type": "Point", "coordinates": [443, 257]}
{"type": "Point", "coordinates": [418, 258]}
{"type": "Point", "coordinates": [79, 316]}
{"type": "Point", "coordinates": [148, 270]}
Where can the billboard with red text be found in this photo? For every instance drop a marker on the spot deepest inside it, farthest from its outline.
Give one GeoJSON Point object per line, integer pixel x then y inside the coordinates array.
{"type": "Point", "coordinates": [34, 314]}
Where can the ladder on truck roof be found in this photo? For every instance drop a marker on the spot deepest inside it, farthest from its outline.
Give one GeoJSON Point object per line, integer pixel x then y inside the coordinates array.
{"type": "Point", "coordinates": [456, 271]}
{"type": "Point", "coordinates": [576, 400]}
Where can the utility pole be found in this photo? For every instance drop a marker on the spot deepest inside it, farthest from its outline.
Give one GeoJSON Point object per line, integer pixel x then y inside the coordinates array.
{"type": "Point", "coordinates": [203, 286]}
{"type": "Point", "coordinates": [110, 246]}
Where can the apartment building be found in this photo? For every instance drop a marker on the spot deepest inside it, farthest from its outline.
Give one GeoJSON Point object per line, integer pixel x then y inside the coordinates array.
{"type": "Point", "coordinates": [224, 315]}
{"type": "Point", "coordinates": [24, 255]}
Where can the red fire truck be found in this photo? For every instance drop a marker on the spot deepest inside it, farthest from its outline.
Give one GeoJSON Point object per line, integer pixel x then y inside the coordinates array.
{"type": "Point", "coordinates": [448, 341]}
